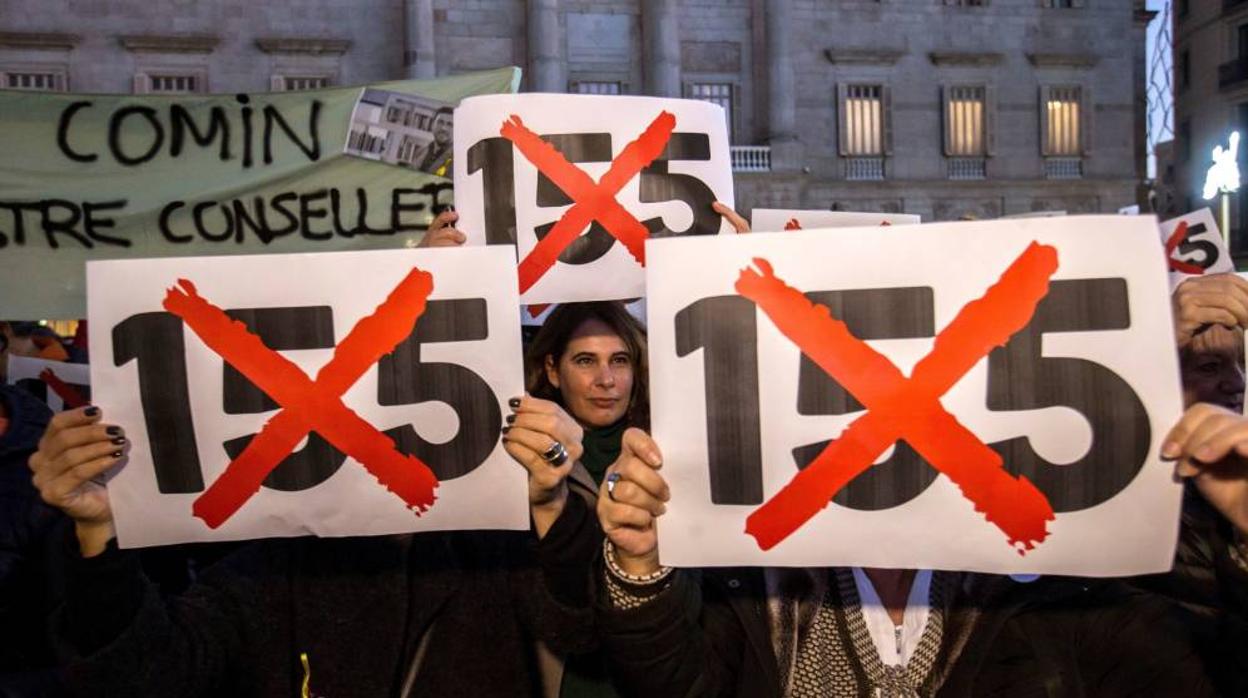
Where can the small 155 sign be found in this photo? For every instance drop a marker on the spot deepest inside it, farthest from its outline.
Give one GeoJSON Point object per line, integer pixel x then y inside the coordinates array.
{"type": "Point", "coordinates": [869, 398]}
{"type": "Point", "coordinates": [579, 183]}
{"type": "Point", "coordinates": [336, 394]}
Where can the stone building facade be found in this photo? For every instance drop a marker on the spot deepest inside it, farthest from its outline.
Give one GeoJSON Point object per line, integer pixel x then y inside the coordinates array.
{"type": "Point", "coordinates": [1210, 100]}
{"type": "Point", "coordinates": [945, 108]}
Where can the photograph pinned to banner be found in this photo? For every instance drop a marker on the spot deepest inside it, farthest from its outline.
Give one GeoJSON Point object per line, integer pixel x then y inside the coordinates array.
{"type": "Point", "coordinates": [578, 183]}
{"type": "Point", "coordinates": [768, 220]}
{"type": "Point", "coordinates": [62, 385]}
{"type": "Point", "coordinates": [796, 434]}
{"type": "Point", "coordinates": [409, 355]}
{"type": "Point", "coordinates": [1194, 247]}
{"type": "Point", "coordinates": [402, 129]}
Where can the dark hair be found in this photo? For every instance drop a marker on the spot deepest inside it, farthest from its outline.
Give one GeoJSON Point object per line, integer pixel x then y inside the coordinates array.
{"type": "Point", "coordinates": [552, 340]}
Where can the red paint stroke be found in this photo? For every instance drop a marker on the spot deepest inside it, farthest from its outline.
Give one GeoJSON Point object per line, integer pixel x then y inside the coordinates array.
{"type": "Point", "coordinates": [793, 224]}
{"type": "Point", "coordinates": [884, 223]}
{"type": "Point", "coordinates": [594, 201]}
{"type": "Point", "coordinates": [68, 394]}
{"type": "Point", "coordinates": [1172, 243]}
{"type": "Point", "coordinates": [910, 409]}
{"type": "Point", "coordinates": [309, 405]}
{"type": "Point", "coordinates": [537, 309]}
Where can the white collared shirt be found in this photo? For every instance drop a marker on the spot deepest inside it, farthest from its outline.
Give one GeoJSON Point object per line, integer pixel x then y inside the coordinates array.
{"type": "Point", "coordinates": [895, 643]}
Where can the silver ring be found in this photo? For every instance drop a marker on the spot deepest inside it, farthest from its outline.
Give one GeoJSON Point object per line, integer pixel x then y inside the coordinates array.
{"type": "Point", "coordinates": [559, 459]}
{"type": "Point", "coordinates": [557, 452]}
{"type": "Point", "coordinates": [612, 479]}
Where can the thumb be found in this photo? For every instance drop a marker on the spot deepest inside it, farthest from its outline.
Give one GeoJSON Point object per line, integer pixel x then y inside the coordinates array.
{"type": "Point", "coordinates": [639, 444]}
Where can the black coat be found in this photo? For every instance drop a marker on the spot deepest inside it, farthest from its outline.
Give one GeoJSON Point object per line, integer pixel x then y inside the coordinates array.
{"type": "Point", "coordinates": [359, 609]}
{"type": "Point", "coordinates": [708, 636]}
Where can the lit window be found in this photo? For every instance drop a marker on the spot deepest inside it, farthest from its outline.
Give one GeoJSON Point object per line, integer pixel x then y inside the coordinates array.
{"type": "Point", "coordinates": [173, 84]}
{"type": "Point", "coordinates": [1062, 113]}
{"type": "Point", "coordinates": [863, 120]}
{"type": "Point", "coordinates": [587, 87]}
{"type": "Point", "coordinates": [965, 127]}
{"type": "Point", "coordinates": [716, 93]}
{"type": "Point", "coordinates": [42, 81]}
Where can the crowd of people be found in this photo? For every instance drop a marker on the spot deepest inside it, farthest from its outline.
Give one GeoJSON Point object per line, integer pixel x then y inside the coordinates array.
{"type": "Point", "coordinates": [579, 605]}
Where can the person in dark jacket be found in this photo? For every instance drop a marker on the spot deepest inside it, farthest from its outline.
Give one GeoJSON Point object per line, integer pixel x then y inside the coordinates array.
{"type": "Point", "coordinates": [26, 524]}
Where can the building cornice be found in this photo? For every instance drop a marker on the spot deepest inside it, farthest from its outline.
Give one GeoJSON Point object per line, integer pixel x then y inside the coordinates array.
{"type": "Point", "coordinates": [863, 56]}
{"type": "Point", "coordinates": [1063, 60]}
{"type": "Point", "coordinates": [154, 43]}
{"type": "Point", "coordinates": [315, 47]}
{"type": "Point", "coordinates": [39, 40]}
{"type": "Point", "coordinates": [965, 58]}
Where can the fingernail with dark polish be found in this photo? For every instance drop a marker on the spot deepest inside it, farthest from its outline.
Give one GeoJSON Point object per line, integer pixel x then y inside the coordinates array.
{"type": "Point", "coordinates": [514, 402]}
{"type": "Point", "coordinates": [115, 454]}
{"type": "Point", "coordinates": [91, 411]}
{"type": "Point", "coordinates": [113, 431]}
{"type": "Point", "coordinates": [511, 419]}
{"type": "Point", "coordinates": [119, 440]}
{"type": "Point", "coordinates": [506, 429]}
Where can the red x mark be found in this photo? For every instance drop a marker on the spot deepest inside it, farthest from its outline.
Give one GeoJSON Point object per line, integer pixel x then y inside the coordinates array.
{"type": "Point", "coordinates": [309, 405]}
{"type": "Point", "coordinates": [907, 408]}
{"type": "Point", "coordinates": [69, 396]}
{"type": "Point", "coordinates": [594, 201]}
{"type": "Point", "coordinates": [793, 224]}
{"type": "Point", "coordinates": [1172, 243]}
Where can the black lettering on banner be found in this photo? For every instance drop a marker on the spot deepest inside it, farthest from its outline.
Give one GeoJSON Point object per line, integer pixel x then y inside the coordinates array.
{"type": "Point", "coordinates": [658, 186]}
{"type": "Point", "coordinates": [155, 340]}
{"type": "Point", "coordinates": [404, 379]}
{"type": "Point", "coordinates": [576, 148]}
{"type": "Point", "coordinates": [884, 313]}
{"type": "Point", "coordinates": [725, 329]}
{"type": "Point", "coordinates": [1020, 377]}
{"type": "Point", "coordinates": [273, 116]}
{"type": "Point", "coordinates": [307, 213]}
{"type": "Point", "coordinates": [115, 131]}
{"type": "Point", "coordinates": [91, 224]}
{"type": "Point", "coordinates": [247, 128]}
{"type": "Point", "coordinates": [165, 230]}
{"type": "Point", "coordinates": [67, 226]}
{"type": "Point", "coordinates": [1207, 249]}
{"type": "Point", "coordinates": [197, 214]}
{"type": "Point", "coordinates": [496, 160]}
{"type": "Point", "coordinates": [62, 133]}
{"type": "Point", "coordinates": [283, 329]}
{"type": "Point", "coordinates": [180, 123]}
{"type": "Point", "coordinates": [279, 204]}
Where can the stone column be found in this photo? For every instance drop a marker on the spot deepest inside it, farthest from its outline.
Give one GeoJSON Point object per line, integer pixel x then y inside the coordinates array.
{"type": "Point", "coordinates": [546, 62]}
{"type": "Point", "coordinates": [660, 37]}
{"type": "Point", "coordinates": [781, 86]}
{"type": "Point", "coordinates": [418, 55]}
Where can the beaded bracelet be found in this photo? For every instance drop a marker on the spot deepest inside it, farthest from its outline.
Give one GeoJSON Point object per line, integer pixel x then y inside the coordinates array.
{"type": "Point", "coordinates": [613, 566]}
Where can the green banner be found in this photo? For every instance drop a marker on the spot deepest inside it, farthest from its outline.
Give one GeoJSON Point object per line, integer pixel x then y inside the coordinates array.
{"type": "Point", "coordinates": [85, 177]}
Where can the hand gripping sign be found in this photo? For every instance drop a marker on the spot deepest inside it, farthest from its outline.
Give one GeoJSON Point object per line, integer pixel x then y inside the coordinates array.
{"type": "Point", "coordinates": [1194, 247]}
{"type": "Point", "coordinates": [335, 394]}
{"type": "Point", "coordinates": [765, 220]}
{"type": "Point", "coordinates": [579, 183]}
{"type": "Point", "coordinates": [818, 403]}
{"type": "Point", "coordinates": [63, 386]}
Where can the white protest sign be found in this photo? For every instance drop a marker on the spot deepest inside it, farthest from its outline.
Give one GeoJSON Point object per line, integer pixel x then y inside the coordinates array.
{"type": "Point", "coordinates": [1076, 402]}
{"type": "Point", "coordinates": [1194, 246]}
{"type": "Point", "coordinates": [61, 385]}
{"type": "Point", "coordinates": [566, 178]}
{"type": "Point", "coordinates": [764, 220]}
{"type": "Point", "coordinates": [365, 425]}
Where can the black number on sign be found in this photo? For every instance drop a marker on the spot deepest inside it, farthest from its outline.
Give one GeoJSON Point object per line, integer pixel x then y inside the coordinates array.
{"type": "Point", "coordinates": [577, 148]}
{"type": "Point", "coordinates": [493, 156]}
{"type": "Point", "coordinates": [724, 328]}
{"type": "Point", "coordinates": [155, 341]}
{"type": "Point", "coordinates": [885, 313]}
{"type": "Point", "coordinates": [658, 185]}
{"type": "Point", "coordinates": [1021, 378]}
{"type": "Point", "coordinates": [405, 380]}
{"type": "Point", "coordinates": [1207, 249]}
{"type": "Point", "coordinates": [283, 329]}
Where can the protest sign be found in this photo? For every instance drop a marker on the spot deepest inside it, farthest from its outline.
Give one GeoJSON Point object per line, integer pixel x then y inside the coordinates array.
{"type": "Point", "coordinates": [765, 220]}
{"type": "Point", "coordinates": [62, 385]}
{"type": "Point", "coordinates": [130, 176]}
{"type": "Point", "coordinates": [565, 178]}
{"type": "Point", "coordinates": [370, 404]}
{"type": "Point", "coordinates": [1194, 247]}
{"type": "Point", "coordinates": [1014, 408]}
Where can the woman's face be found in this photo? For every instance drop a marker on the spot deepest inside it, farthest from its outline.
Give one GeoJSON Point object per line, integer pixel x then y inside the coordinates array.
{"type": "Point", "coordinates": [594, 375]}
